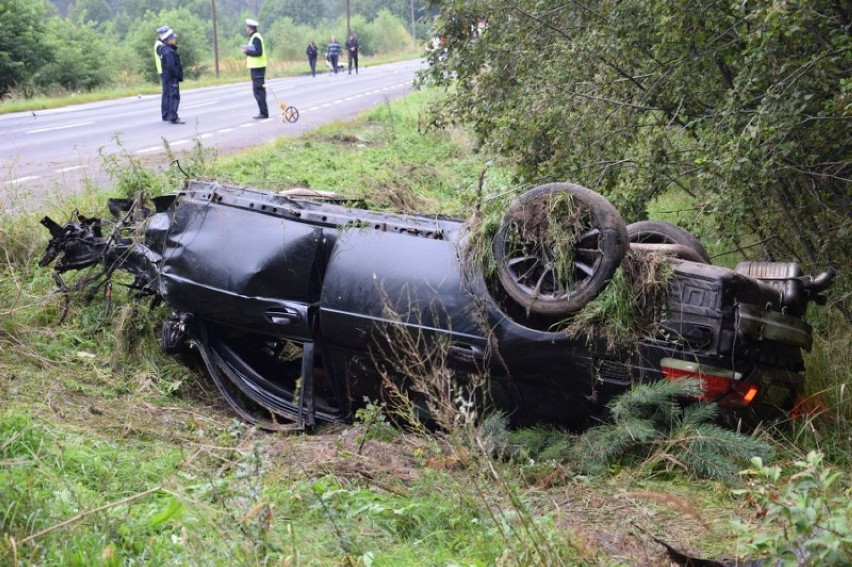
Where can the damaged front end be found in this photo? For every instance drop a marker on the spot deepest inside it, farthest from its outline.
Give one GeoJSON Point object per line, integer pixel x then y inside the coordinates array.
{"type": "Point", "coordinates": [80, 244]}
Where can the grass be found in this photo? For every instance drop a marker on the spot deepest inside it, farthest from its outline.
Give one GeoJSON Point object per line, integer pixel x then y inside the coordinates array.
{"type": "Point", "coordinates": [113, 453]}
{"type": "Point", "coordinates": [381, 157]}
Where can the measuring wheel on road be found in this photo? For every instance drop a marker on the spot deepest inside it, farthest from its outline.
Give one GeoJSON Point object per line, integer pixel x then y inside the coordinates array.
{"type": "Point", "coordinates": [289, 113]}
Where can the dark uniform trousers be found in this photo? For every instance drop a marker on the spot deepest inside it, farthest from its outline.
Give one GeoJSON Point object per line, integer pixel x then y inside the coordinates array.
{"type": "Point", "coordinates": [164, 99]}
{"type": "Point", "coordinates": [258, 85]}
{"type": "Point", "coordinates": [172, 90]}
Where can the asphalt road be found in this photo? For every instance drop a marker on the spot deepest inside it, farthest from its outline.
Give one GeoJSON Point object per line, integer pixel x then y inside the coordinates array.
{"type": "Point", "coordinates": [54, 153]}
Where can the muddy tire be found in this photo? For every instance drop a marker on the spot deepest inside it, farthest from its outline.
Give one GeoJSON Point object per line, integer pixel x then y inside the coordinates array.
{"type": "Point", "coordinates": [173, 339]}
{"type": "Point", "coordinates": [658, 232]}
{"type": "Point", "coordinates": [557, 248]}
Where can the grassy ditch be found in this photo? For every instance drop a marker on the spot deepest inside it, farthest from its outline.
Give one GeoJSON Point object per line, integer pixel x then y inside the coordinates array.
{"type": "Point", "coordinates": [112, 452]}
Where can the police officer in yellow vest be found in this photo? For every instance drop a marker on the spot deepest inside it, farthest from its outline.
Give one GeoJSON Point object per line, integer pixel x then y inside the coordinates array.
{"type": "Point", "coordinates": [164, 101]}
{"type": "Point", "coordinates": [255, 53]}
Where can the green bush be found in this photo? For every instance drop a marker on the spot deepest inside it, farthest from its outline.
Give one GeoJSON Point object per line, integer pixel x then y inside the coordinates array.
{"type": "Point", "coordinates": [79, 61]}
{"type": "Point", "coordinates": [22, 43]}
{"type": "Point", "coordinates": [804, 519]}
{"type": "Point", "coordinates": [287, 40]}
{"type": "Point", "coordinates": [385, 34]}
{"type": "Point", "coordinates": [91, 11]}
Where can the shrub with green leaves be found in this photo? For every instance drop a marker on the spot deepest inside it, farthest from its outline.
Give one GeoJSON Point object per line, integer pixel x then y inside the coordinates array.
{"type": "Point", "coordinates": [803, 519]}
{"type": "Point", "coordinates": [22, 43]}
{"type": "Point", "coordinates": [376, 424]}
{"type": "Point", "coordinates": [74, 65]}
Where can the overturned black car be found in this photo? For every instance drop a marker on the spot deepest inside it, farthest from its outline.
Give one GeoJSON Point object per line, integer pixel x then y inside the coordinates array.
{"type": "Point", "coordinates": [294, 302]}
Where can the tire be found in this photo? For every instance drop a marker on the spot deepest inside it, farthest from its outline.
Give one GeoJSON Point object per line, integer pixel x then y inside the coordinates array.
{"type": "Point", "coordinates": [529, 259]}
{"type": "Point", "coordinates": [659, 232]}
{"type": "Point", "coordinates": [173, 339]}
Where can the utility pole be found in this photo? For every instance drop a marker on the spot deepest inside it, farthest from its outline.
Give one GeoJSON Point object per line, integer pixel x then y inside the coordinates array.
{"type": "Point", "coordinates": [215, 39]}
{"type": "Point", "coordinates": [348, 26]}
{"type": "Point", "coordinates": [413, 27]}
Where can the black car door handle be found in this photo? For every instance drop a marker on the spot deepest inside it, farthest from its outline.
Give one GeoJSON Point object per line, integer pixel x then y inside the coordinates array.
{"type": "Point", "coordinates": [283, 316]}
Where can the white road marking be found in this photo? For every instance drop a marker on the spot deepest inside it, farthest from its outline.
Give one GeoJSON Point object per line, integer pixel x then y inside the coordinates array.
{"type": "Point", "coordinates": [326, 104]}
{"type": "Point", "coordinates": [179, 142]}
{"type": "Point", "coordinates": [77, 125]}
{"type": "Point", "coordinates": [313, 108]}
{"type": "Point", "coordinates": [72, 168]}
{"type": "Point", "coordinates": [282, 89]}
{"type": "Point", "coordinates": [204, 136]}
{"type": "Point", "coordinates": [149, 150]}
{"type": "Point", "coordinates": [247, 125]}
{"type": "Point", "coordinates": [23, 179]}
{"type": "Point", "coordinates": [201, 104]}
{"type": "Point", "coordinates": [225, 130]}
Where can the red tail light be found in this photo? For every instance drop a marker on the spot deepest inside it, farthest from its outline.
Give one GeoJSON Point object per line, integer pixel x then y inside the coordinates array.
{"type": "Point", "coordinates": [719, 384]}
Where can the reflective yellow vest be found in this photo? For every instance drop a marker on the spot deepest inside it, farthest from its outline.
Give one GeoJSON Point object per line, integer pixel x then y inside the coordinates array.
{"type": "Point", "coordinates": [159, 63]}
{"type": "Point", "coordinates": [255, 61]}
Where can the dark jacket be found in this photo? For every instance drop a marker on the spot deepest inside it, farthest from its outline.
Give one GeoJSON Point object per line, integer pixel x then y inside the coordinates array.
{"type": "Point", "coordinates": [352, 45]}
{"type": "Point", "coordinates": [258, 46]}
{"type": "Point", "coordinates": [172, 68]}
{"type": "Point", "coordinates": [311, 51]}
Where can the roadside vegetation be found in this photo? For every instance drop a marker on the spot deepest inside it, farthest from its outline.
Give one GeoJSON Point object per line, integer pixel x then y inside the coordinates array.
{"type": "Point", "coordinates": [113, 453]}
{"type": "Point", "coordinates": [742, 109]}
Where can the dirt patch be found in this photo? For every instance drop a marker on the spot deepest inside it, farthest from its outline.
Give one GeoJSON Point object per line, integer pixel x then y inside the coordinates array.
{"type": "Point", "coordinates": [345, 139]}
{"type": "Point", "coordinates": [395, 196]}
{"type": "Point", "coordinates": [339, 451]}
{"type": "Point", "coordinates": [542, 221]}
{"type": "Point", "coordinates": [548, 228]}
{"type": "Point", "coordinates": [648, 274]}
{"type": "Point", "coordinates": [622, 526]}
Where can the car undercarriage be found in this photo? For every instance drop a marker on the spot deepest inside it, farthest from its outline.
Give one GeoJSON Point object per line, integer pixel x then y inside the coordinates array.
{"type": "Point", "coordinates": [301, 306]}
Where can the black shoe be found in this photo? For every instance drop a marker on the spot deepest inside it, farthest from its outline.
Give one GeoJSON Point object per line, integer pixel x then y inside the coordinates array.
{"type": "Point", "coordinates": [260, 116]}
{"type": "Point", "coordinates": [177, 121]}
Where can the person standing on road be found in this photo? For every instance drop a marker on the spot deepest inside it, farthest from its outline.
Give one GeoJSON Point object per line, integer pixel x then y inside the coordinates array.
{"type": "Point", "coordinates": [255, 53]}
{"type": "Point", "coordinates": [352, 51]}
{"type": "Point", "coordinates": [172, 75]}
{"type": "Point", "coordinates": [332, 53]}
{"type": "Point", "coordinates": [164, 105]}
{"type": "Point", "coordinates": [311, 52]}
